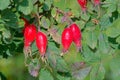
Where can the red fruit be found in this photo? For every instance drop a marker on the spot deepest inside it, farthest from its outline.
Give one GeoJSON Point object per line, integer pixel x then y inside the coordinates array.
{"type": "Point", "coordinates": [67, 38]}
{"type": "Point", "coordinates": [96, 2]}
{"type": "Point", "coordinates": [41, 43]}
{"type": "Point", "coordinates": [29, 34]}
{"type": "Point", "coordinates": [83, 4]}
{"type": "Point", "coordinates": [76, 35]}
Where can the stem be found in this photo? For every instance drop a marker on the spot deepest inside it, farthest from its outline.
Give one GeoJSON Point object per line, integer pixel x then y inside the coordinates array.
{"type": "Point", "coordinates": [105, 3]}
{"type": "Point", "coordinates": [99, 12]}
{"type": "Point", "coordinates": [60, 11]}
{"type": "Point", "coordinates": [38, 16]}
{"type": "Point", "coordinates": [65, 15]}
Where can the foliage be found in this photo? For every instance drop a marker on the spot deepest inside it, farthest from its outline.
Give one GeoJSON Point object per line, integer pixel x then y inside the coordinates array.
{"type": "Point", "coordinates": [100, 26]}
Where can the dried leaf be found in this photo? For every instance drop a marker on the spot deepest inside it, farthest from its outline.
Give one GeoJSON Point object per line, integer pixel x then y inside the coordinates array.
{"type": "Point", "coordinates": [34, 67]}
{"type": "Point", "coordinates": [55, 35]}
{"type": "Point", "coordinates": [78, 65]}
{"type": "Point", "coordinates": [81, 74]}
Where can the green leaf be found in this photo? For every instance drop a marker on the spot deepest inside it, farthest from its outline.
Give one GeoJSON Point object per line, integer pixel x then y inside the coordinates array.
{"type": "Point", "coordinates": [105, 21]}
{"type": "Point", "coordinates": [45, 22]}
{"type": "Point", "coordinates": [47, 5]}
{"type": "Point", "coordinates": [9, 18]}
{"type": "Point", "coordinates": [41, 1]}
{"type": "Point", "coordinates": [103, 44]}
{"type": "Point", "coordinates": [26, 7]}
{"type": "Point", "coordinates": [75, 8]}
{"type": "Point", "coordinates": [45, 75]}
{"type": "Point", "coordinates": [97, 72]}
{"type": "Point", "coordinates": [118, 40]}
{"type": "Point", "coordinates": [51, 56]}
{"type": "Point", "coordinates": [52, 46]}
{"type": "Point", "coordinates": [54, 34]}
{"type": "Point", "coordinates": [60, 77]}
{"type": "Point", "coordinates": [4, 4]}
{"type": "Point", "coordinates": [113, 30]}
{"type": "Point", "coordinates": [118, 8]}
{"type": "Point", "coordinates": [91, 39]}
{"type": "Point", "coordinates": [34, 47]}
{"type": "Point", "coordinates": [54, 58]}
{"type": "Point", "coordinates": [81, 24]}
{"type": "Point", "coordinates": [8, 52]}
{"type": "Point", "coordinates": [53, 12]}
{"type": "Point", "coordinates": [34, 67]}
{"type": "Point", "coordinates": [72, 56]}
{"type": "Point", "coordinates": [88, 54]}
{"type": "Point", "coordinates": [85, 17]}
{"type": "Point", "coordinates": [81, 73]}
{"type": "Point", "coordinates": [111, 8]}
{"type": "Point", "coordinates": [7, 37]}
{"type": "Point", "coordinates": [6, 34]}
{"type": "Point", "coordinates": [115, 67]}
{"type": "Point", "coordinates": [58, 3]}
{"type": "Point", "coordinates": [0, 39]}
{"type": "Point", "coordinates": [61, 65]}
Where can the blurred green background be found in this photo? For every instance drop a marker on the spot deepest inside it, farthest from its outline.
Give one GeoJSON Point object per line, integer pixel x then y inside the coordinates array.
{"type": "Point", "coordinates": [13, 68]}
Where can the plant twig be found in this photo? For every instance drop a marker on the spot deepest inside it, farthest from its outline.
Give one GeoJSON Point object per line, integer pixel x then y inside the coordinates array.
{"type": "Point", "coordinates": [65, 14]}
{"type": "Point", "coordinates": [38, 16]}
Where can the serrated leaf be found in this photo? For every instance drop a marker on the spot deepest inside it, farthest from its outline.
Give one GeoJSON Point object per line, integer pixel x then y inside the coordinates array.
{"type": "Point", "coordinates": [105, 21]}
{"type": "Point", "coordinates": [55, 60]}
{"type": "Point", "coordinates": [118, 40]}
{"type": "Point", "coordinates": [52, 46]}
{"type": "Point", "coordinates": [85, 17]}
{"type": "Point", "coordinates": [113, 30]}
{"type": "Point", "coordinates": [81, 74]}
{"type": "Point", "coordinates": [58, 3]}
{"type": "Point", "coordinates": [45, 22]}
{"type": "Point", "coordinates": [6, 34]}
{"type": "Point", "coordinates": [26, 7]}
{"type": "Point", "coordinates": [91, 39]}
{"type": "Point", "coordinates": [78, 65]}
{"type": "Point", "coordinates": [90, 57]}
{"type": "Point", "coordinates": [61, 64]}
{"type": "Point", "coordinates": [9, 18]}
{"type": "Point", "coordinates": [8, 52]}
{"type": "Point", "coordinates": [2, 27]}
{"type": "Point", "coordinates": [41, 1]}
{"type": "Point", "coordinates": [34, 67]}
{"type": "Point", "coordinates": [0, 39]}
{"type": "Point", "coordinates": [88, 54]}
{"type": "Point", "coordinates": [53, 12]}
{"type": "Point", "coordinates": [97, 72]}
{"type": "Point", "coordinates": [72, 56]}
{"type": "Point", "coordinates": [115, 67]}
{"type": "Point", "coordinates": [34, 47]}
{"type": "Point", "coordinates": [60, 77]}
{"type": "Point", "coordinates": [75, 8]}
{"type": "Point", "coordinates": [111, 8]}
{"type": "Point", "coordinates": [51, 56]}
{"type": "Point", "coordinates": [47, 5]}
{"type": "Point", "coordinates": [103, 44]}
{"type": "Point", "coordinates": [81, 24]}
{"type": "Point", "coordinates": [4, 4]}
{"type": "Point", "coordinates": [45, 75]}
{"type": "Point", "coordinates": [118, 8]}
{"type": "Point", "coordinates": [7, 37]}
{"type": "Point", "coordinates": [55, 35]}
